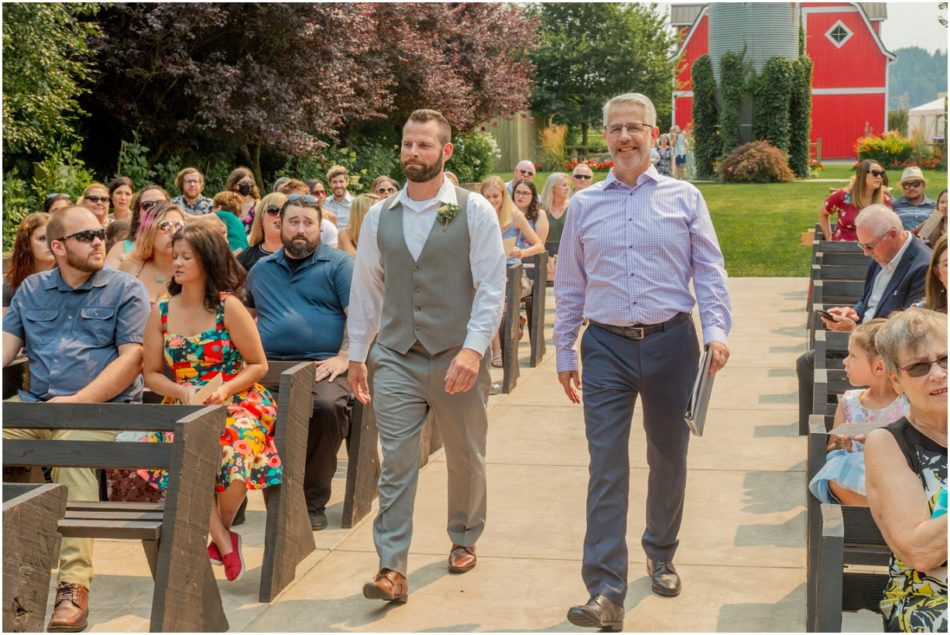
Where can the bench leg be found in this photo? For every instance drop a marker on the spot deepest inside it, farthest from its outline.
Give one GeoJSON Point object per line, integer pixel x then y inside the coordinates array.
{"type": "Point", "coordinates": [151, 554]}
{"type": "Point", "coordinates": [362, 470]}
{"type": "Point", "coordinates": [288, 539]}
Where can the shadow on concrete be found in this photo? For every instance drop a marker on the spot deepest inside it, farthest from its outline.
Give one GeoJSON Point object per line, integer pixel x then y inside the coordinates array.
{"type": "Point", "coordinates": [797, 348]}
{"type": "Point", "coordinates": [779, 398]}
{"type": "Point", "coordinates": [771, 492]}
{"type": "Point", "coordinates": [789, 331]}
{"type": "Point", "coordinates": [781, 372]}
{"type": "Point", "coordinates": [788, 615]}
{"type": "Point", "coordinates": [790, 534]}
{"type": "Point", "coordinates": [788, 430]}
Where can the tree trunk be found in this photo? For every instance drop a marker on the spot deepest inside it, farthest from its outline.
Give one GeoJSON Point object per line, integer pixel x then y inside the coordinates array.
{"type": "Point", "coordinates": [584, 128]}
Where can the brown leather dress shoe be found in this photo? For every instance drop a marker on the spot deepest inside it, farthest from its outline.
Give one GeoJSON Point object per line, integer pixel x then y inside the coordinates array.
{"type": "Point", "coordinates": [72, 609]}
{"type": "Point", "coordinates": [388, 585]}
{"type": "Point", "coordinates": [664, 580]}
{"type": "Point", "coordinates": [462, 559]}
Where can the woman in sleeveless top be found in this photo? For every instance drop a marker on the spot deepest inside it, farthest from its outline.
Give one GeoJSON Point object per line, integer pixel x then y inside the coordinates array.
{"type": "Point", "coordinates": [906, 473]}
{"type": "Point", "coordinates": [151, 259]}
{"type": "Point", "coordinates": [204, 334]}
{"type": "Point", "coordinates": [868, 186]}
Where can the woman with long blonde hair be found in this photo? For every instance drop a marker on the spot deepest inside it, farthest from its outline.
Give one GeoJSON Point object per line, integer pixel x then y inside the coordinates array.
{"type": "Point", "coordinates": [350, 235]}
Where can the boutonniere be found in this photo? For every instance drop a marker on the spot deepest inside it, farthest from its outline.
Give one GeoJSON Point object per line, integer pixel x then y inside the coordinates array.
{"type": "Point", "coordinates": [446, 213]}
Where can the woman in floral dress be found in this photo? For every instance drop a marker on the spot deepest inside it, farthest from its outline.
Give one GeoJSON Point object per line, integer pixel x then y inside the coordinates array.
{"type": "Point", "coordinates": [203, 331]}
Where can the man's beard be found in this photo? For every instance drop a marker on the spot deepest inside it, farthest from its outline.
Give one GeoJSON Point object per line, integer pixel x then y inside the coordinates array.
{"type": "Point", "coordinates": [83, 264]}
{"type": "Point", "coordinates": [298, 251]}
{"type": "Point", "coordinates": [422, 173]}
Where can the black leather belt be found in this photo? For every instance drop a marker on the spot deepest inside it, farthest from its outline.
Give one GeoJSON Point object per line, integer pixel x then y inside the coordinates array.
{"type": "Point", "coordinates": [639, 331]}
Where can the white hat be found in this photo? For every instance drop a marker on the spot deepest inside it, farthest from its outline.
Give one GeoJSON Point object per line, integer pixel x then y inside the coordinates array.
{"type": "Point", "coordinates": [913, 173]}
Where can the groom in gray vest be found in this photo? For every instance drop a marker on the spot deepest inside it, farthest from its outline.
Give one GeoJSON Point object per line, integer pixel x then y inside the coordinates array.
{"type": "Point", "coordinates": [430, 281]}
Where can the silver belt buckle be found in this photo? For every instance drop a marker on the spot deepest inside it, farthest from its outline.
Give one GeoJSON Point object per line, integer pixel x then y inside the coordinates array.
{"type": "Point", "coordinates": [636, 332]}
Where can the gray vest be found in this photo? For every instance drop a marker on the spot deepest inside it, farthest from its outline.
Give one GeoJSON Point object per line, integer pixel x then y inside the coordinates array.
{"type": "Point", "coordinates": [430, 299]}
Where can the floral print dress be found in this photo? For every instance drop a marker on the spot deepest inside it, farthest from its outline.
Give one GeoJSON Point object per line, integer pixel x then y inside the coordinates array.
{"type": "Point", "coordinates": [248, 453]}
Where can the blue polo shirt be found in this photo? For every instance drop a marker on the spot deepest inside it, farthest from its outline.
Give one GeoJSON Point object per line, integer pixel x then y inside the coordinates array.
{"type": "Point", "coordinates": [71, 335]}
{"type": "Point", "coordinates": [300, 312]}
{"type": "Point", "coordinates": [912, 215]}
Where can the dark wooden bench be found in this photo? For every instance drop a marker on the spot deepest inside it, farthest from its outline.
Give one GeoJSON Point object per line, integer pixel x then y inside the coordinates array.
{"type": "Point", "coordinates": [535, 308]}
{"type": "Point", "coordinates": [509, 328]}
{"type": "Point", "coordinates": [31, 515]}
{"type": "Point", "coordinates": [174, 533]}
{"type": "Point", "coordinates": [288, 538]}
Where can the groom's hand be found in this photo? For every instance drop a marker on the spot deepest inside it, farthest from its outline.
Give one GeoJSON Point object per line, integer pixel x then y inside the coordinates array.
{"type": "Point", "coordinates": [356, 375]}
{"type": "Point", "coordinates": [462, 371]}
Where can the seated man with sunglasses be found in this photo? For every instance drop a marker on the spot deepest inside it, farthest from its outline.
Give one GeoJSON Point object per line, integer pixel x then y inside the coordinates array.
{"type": "Point", "coordinates": [82, 326]}
{"type": "Point", "coordinates": [894, 281]}
{"type": "Point", "coordinates": [301, 295]}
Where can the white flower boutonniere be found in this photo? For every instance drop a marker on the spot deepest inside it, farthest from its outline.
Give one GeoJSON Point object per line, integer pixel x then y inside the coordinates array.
{"type": "Point", "coordinates": [446, 213]}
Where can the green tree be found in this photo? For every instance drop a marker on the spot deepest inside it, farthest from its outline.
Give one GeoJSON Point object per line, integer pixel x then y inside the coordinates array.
{"type": "Point", "coordinates": [590, 52]}
{"type": "Point", "coordinates": [45, 69]}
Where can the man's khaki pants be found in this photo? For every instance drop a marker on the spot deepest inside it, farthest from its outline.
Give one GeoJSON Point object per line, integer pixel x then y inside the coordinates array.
{"type": "Point", "coordinates": [75, 554]}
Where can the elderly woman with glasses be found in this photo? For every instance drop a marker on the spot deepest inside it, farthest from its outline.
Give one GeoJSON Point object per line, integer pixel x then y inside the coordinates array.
{"type": "Point", "coordinates": [143, 201]}
{"type": "Point", "coordinates": [151, 259]}
{"type": "Point", "coordinates": [868, 187]}
{"type": "Point", "coordinates": [906, 473]}
{"type": "Point", "coordinates": [96, 199]}
{"type": "Point", "coordinates": [265, 231]}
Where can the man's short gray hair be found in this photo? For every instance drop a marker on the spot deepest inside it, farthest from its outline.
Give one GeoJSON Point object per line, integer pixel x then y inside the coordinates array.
{"type": "Point", "coordinates": [880, 219]}
{"type": "Point", "coordinates": [649, 111]}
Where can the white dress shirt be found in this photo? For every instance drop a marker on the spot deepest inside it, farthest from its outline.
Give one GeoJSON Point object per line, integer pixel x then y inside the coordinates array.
{"type": "Point", "coordinates": [486, 257]}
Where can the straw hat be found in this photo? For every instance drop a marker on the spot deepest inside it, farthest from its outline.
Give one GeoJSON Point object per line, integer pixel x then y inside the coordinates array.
{"type": "Point", "coordinates": [913, 173]}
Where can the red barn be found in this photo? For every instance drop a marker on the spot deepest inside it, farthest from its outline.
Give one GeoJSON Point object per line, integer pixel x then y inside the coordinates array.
{"type": "Point", "coordinates": [849, 80]}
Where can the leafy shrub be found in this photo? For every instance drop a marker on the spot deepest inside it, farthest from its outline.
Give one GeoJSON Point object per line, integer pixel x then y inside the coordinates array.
{"type": "Point", "coordinates": [799, 114]}
{"type": "Point", "coordinates": [364, 159]}
{"type": "Point", "coordinates": [898, 120]}
{"type": "Point", "coordinates": [773, 96]}
{"type": "Point", "coordinates": [733, 76]}
{"type": "Point", "coordinates": [133, 161]}
{"type": "Point", "coordinates": [474, 156]}
{"type": "Point", "coordinates": [755, 162]}
{"type": "Point", "coordinates": [18, 201]}
{"type": "Point", "coordinates": [705, 117]}
{"type": "Point", "coordinates": [886, 148]}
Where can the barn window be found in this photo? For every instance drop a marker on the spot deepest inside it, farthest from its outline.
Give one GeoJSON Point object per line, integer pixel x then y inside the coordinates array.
{"type": "Point", "coordinates": [838, 34]}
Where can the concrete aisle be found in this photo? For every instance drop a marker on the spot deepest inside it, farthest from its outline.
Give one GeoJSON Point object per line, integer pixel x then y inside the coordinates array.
{"type": "Point", "coordinates": [742, 551]}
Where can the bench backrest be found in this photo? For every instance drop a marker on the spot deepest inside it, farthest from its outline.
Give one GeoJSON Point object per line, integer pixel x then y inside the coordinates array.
{"type": "Point", "coordinates": [830, 349]}
{"type": "Point", "coordinates": [838, 292]}
{"type": "Point", "coordinates": [842, 258]}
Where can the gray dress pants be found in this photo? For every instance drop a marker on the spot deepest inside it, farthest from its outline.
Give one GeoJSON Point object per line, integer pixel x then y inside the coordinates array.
{"type": "Point", "coordinates": [405, 387]}
{"type": "Point", "coordinates": [661, 369]}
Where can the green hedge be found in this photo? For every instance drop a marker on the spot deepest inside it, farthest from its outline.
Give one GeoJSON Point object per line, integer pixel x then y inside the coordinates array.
{"type": "Point", "coordinates": [705, 117]}
{"type": "Point", "coordinates": [732, 84]}
{"type": "Point", "coordinates": [799, 115]}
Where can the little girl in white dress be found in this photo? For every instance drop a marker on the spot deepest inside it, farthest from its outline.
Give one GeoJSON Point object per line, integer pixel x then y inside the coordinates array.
{"type": "Point", "coordinates": [841, 480]}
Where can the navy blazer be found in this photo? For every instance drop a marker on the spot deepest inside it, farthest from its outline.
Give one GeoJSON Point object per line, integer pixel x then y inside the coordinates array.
{"type": "Point", "coordinates": [906, 285]}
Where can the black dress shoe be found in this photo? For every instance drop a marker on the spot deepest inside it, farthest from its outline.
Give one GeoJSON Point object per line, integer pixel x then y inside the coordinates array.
{"type": "Point", "coordinates": [318, 520]}
{"type": "Point", "coordinates": [599, 612]}
{"type": "Point", "coordinates": [665, 580]}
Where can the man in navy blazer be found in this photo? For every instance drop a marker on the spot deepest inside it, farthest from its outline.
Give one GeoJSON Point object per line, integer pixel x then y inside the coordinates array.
{"type": "Point", "coordinates": [894, 281]}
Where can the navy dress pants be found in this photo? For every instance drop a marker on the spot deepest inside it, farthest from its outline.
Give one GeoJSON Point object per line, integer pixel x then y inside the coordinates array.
{"type": "Point", "coordinates": [661, 369]}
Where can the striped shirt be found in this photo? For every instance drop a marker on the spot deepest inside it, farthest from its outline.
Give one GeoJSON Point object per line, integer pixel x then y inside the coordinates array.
{"type": "Point", "coordinates": [627, 256]}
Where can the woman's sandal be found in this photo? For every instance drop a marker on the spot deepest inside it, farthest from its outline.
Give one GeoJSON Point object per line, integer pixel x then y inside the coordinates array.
{"type": "Point", "coordinates": [497, 361]}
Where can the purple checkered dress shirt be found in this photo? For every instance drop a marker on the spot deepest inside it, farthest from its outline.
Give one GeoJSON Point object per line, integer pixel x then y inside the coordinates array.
{"type": "Point", "coordinates": [627, 256]}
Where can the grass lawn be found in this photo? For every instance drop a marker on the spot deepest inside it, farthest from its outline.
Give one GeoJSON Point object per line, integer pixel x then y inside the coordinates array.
{"type": "Point", "coordinates": [759, 225]}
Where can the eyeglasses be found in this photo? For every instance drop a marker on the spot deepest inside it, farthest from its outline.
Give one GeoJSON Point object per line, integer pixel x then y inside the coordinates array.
{"type": "Point", "coordinates": [919, 369]}
{"type": "Point", "coordinates": [169, 226]}
{"type": "Point", "coordinates": [272, 210]}
{"type": "Point", "coordinates": [520, 193]}
{"type": "Point", "coordinates": [87, 235]}
{"type": "Point", "coordinates": [583, 177]}
{"type": "Point", "coordinates": [98, 199]}
{"type": "Point", "coordinates": [525, 172]}
{"type": "Point", "coordinates": [879, 173]}
{"type": "Point", "coordinates": [147, 205]}
{"type": "Point", "coordinates": [873, 246]}
{"type": "Point", "coordinates": [383, 191]}
{"type": "Point", "coordinates": [912, 184]}
{"type": "Point", "coordinates": [634, 128]}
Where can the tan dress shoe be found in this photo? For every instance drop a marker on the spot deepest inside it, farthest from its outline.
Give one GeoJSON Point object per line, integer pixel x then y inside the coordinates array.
{"type": "Point", "coordinates": [462, 559]}
{"type": "Point", "coordinates": [388, 585]}
{"type": "Point", "coordinates": [71, 610]}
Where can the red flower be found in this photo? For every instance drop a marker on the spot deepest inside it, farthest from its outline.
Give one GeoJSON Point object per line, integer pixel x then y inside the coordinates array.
{"type": "Point", "coordinates": [274, 460]}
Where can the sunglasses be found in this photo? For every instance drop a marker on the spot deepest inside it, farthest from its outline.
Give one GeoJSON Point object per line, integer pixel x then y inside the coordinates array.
{"type": "Point", "coordinates": [879, 173]}
{"type": "Point", "coordinates": [53, 195]}
{"type": "Point", "coordinates": [582, 177]}
{"type": "Point", "coordinates": [147, 205]}
{"type": "Point", "coordinates": [912, 184]}
{"type": "Point", "coordinates": [98, 199]}
{"type": "Point", "coordinates": [385, 190]}
{"type": "Point", "coordinates": [306, 198]}
{"type": "Point", "coordinates": [87, 235]}
{"type": "Point", "coordinates": [526, 172]}
{"type": "Point", "coordinates": [169, 226]}
{"type": "Point", "coordinates": [272, 210]}
{"type": "Point", "coordinates": [919, 369]}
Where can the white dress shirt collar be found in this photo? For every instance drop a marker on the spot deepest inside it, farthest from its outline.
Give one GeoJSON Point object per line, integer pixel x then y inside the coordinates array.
{"type": "Point", "coordinates": [446, 195]}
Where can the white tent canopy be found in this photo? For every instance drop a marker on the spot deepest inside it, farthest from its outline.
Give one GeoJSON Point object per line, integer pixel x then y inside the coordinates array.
{"type": "Point", "coordinates": [929, 118]}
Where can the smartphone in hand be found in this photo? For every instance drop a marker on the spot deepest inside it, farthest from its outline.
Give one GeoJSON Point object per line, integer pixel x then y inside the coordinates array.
{"type": "Point", "coordinates": [827, 316]}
